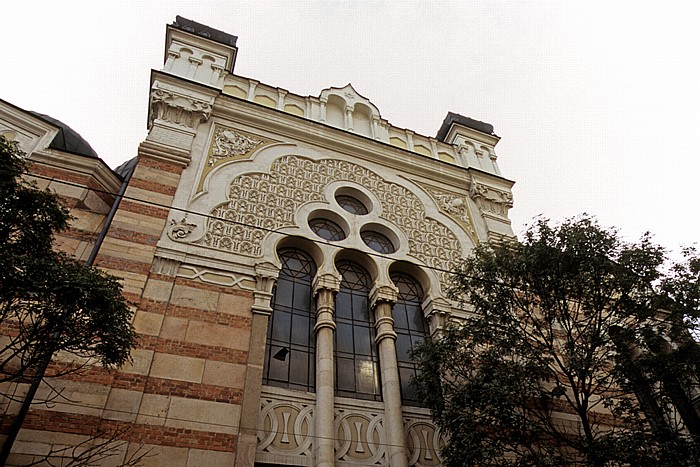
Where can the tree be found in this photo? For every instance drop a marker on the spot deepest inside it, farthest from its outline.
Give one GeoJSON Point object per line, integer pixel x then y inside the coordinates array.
{"type": "Point", "coordinates": [564, 355]}
{"type": "Point", "coordinates": [49, 301]}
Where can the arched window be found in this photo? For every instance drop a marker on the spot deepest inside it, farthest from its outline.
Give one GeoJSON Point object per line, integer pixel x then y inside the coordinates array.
{"type": "Point", "coordinates": [357, 371]}
{"type": "Point", "coordinates": [290, 350]}
{"type": "Point", "coordinates": [410, 328]}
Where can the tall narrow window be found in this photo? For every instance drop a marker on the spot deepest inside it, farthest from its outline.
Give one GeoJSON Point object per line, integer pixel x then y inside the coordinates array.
{"type": "Point", "coordinates": [357, 372]}
{"type": "Point", "coordinates": [290, 350]}
{"type": "Point", "coordinates": [410, 328]}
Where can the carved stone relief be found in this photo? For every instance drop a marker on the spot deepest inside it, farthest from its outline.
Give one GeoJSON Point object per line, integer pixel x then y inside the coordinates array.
{"type": "Point", "coordinates": [172, 107]}
{"type": "Point", "coordinates": [228, 144]}
{"type": "Point", "coordinates": [424, 442]}
{"type": "Point", "coordinates": [220, 278]}
{"type": "Point", "coordinates": [360, 437]}
{"type": "Point", "coordinates": [455, 206]}
{"type": "Point", "coordinates": [491, 200]}
{"type": "Point", "coordinates": [286, 427]}
{"type": "Point", "coordinates": [180, 229]}
{"type": "Point", "coordinates": [260, 202]}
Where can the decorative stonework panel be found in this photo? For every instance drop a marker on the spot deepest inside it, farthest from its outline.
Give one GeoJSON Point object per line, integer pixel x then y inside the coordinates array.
{"type": "Point", "coordinates": [173, 107]}
{"type": "Point", "coordinates": [286, 428]}
{"type": "Point", "coordinates": [491, 201]}
{"type": "Point", "coordinates": [220, 278]}
{"type": "Point", "coordinates": [262, 201]}
{"type": "Point", "coordinates": [227, 145]}
{"type": "Point", "coordinates": [360, 437]}
{"type": "Point", "coordinates": [424, 442]}
{"type": "Point", "coordinates": [455, 206]}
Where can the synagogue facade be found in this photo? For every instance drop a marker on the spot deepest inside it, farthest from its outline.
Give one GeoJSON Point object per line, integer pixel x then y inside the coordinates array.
{"type": "Point", "coordinates": [282, 254]}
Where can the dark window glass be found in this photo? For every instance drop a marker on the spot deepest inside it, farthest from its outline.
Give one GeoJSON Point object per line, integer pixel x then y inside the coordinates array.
{"type": "Point", "coordinates": [411, 329]}
{"type": "Point", "coordinates": [351, 204]}
{"type": "Point", "coordinates": [378, 242]}
{"type": "Point", "coordinates": [326, 229]}
{"type": "Point", "coordinates": [290, 350]}
{"type": "Point", "coordinates": [357, 370]}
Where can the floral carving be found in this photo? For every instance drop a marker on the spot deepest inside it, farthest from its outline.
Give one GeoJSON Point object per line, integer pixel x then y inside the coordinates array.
{"type": "Point", "coordinates": [228, 143]}
{"type": "Point", "coordinates": [181, 229]}
{"type": "Point", "coordinates": [259, 202]}
{"type": "Point", "coordinates": [456, 207]}
{"type": "Point", "coordinates": [179, 109]}
{"type": "Point", "coordinates": [491, 200]}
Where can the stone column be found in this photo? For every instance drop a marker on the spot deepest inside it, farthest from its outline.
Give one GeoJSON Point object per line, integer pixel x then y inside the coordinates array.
{"type": "Point", "coordinates": [322, 116]}
{"type": "Point", "coordinates": [265, 276]}
{"type": "Point", "coordinates": [349, 125]}
{"type": "Point", "coordinates": [325, 287]}
{"type": "Point", "coordinates": [382, 299]}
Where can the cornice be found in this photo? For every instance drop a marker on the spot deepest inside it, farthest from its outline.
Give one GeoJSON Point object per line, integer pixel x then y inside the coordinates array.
{"type": "Point", "coordinates": [323, 136]}
{"type": "Point", "coordinates": [95, 168]}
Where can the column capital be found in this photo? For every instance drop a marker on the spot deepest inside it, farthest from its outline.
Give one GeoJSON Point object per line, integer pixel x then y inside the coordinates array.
{"type": "Point", "coordinates": [265, 276]}
{"type": "Point", "coordinates": [383, 293]}
{"type": "Point", "coordinates": [438, 311]}
{"type": "Point", "coordinates": [326, 281]}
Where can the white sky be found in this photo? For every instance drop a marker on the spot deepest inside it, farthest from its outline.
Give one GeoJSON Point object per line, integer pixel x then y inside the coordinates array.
{"type": "Point", "coordinates": [597, 102]}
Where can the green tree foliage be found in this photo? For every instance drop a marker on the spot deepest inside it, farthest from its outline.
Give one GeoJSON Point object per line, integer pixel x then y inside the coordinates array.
{"type": "Point", "coordinates": [576, 351]}
{"type": "Point", "coordinates": [50, 302]}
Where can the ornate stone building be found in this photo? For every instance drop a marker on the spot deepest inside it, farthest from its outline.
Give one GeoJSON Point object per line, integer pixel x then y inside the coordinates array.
{"type": "Point", "coordinates": [282, 254]}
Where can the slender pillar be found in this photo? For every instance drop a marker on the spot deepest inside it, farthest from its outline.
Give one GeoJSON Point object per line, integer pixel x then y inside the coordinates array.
{"type": "Point", "coordinates": [265, 277]}
{"type": "Point", "coordinates": [325, 288]}
{"type": "Point", "coordinates": [382, 299]}
{"type": "Point", "coordinates": [349, 125]}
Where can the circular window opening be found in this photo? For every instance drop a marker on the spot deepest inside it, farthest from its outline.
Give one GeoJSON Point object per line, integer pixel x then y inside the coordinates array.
{"type": "Point", "coordinates": [327, 229]}
{"type": "Point", "coordinates": [351, 204]}
{"type": "Point", "coordinates": [378, 242]}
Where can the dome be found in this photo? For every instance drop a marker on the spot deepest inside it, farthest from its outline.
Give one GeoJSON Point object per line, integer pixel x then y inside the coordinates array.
{"type": "Point", "coordinates": [68, 139]}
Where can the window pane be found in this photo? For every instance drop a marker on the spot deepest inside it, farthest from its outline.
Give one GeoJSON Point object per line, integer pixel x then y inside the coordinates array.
{"type": "Point", "coordinates": [283, 293]}
{"type": "Point", "coordinates": [343, 307]}
{"type": "Point", "coordinates": [351, 204]}
{"type": "Point", "coordinates": [300, 329]}
{"type": "Point", "coordinates": [360, 309]}
{"type": "Point", "coordinates": [289, 356]}
{"type": "Point", "coordinates": [366, 371]}
{"type": "Point", "coordinates": [411, 329]}
{"type": "Point", "coordinates": [399, 315]}
{"type": "Point", "coordinates": [302, 296]}
{"type": "Point", "coordinates": [281, 323]}
{"type": "Point", "coordinates": [327, 229]}
{"type": "Point", "coordinates": [346, 374]}
{"type": "Point", "coordinates": [363, 344]}
{"type": "Point", "coordinates": [356, 354]}
{"type": "Point", "coordinates": [278, 369]}
{"type": "Point", "coordinates": [408, 391]}
{"type": "Point", "coordinates": [403, 345]}
{"type": "Point", "coordinates": [299, 367]}
{"type": "Point", "coordinates": [417, 320]}
{"type": "Point", "coordinates": [343, 339]}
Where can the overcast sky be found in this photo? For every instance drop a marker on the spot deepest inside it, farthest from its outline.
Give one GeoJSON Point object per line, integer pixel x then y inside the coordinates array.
{"type": "Point", "coordinates": [597, 102]}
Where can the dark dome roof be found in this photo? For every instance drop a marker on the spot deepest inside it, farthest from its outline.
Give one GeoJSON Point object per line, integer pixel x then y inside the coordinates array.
{"type": "Point", "coordinates": [67, 139]}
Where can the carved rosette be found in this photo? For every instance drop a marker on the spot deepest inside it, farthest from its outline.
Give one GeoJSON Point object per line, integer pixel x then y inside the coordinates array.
{"type": "Point", "coordinates": [172, 107]}
{"type": "Point", "coordinates": [491, 201]}
{"type": "Point", "coordinates": [180, 230]}
{"type": "Point", "coordinates": [269, 201]}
